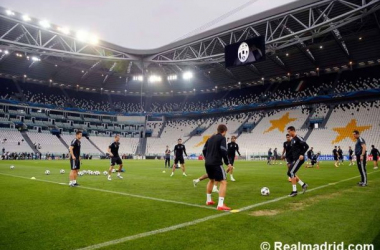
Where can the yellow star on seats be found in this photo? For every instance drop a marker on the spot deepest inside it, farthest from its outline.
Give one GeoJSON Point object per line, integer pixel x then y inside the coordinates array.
{"type": "Point", "coordinates": [280, 124]}
{"type": "Point", "coordinates": [345, 132]}
{"type": "Point", "coordinates": [205, 138]}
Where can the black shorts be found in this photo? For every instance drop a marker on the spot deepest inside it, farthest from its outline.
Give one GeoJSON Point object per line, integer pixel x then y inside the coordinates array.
{"type": "Point", "coordinates": [116, 160]}
{"type": "Point", "coordinates": [350, 157]}
{"type": "Point", "coordinates": [231, 159]}
{"type": "Point", "coordinates": [289, 160]}
{"type": "Point", "coordinates": [375, 157]}
{"type": "Point", "coordinates": [75, 164]}
{"type": "Point", "coordinates": [313, 162]}
{"type": "Point", "coordinates": [335, 158]}
{"type": "Point", "coordinates": [216, 172]}
{"type": "Point", "coordinates": [294, 167]}
{"type": "Point", "coordinates": [180, 160]}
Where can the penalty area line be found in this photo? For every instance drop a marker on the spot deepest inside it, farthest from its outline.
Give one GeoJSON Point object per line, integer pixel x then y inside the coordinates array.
{"type": "Point", "coordinates": [194, 222]}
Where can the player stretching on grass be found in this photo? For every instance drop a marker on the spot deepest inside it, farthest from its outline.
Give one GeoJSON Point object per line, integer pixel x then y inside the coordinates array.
{"type": "Point", "coordinates": [215, 152]}
{"type": "Point", "coordinates": [75, 158]}
{"type": "Point", "coordinates": [232, 148]}
{"type": "Point", "coordinates": [113, 151]}
{"type": "Point", "coordinates": [179, 150]}
{"type": "Point", "coordinates": [298, 150]}
{"type": "Point", "coordinates": [286, 154]}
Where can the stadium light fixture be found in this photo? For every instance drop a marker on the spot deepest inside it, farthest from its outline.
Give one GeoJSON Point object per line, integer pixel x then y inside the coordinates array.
{"type": "Point", "coordinates": [360, 38]}
{"type": "Point", "coordinates": [44, 24]}
{"type": "Point", "coordinates": [287, 54]}
{"type": "Point", "coordinates": [262, 78]}
{"type": "Point", "coordinates": [64, 30]}
{"type": "Point", "coordinates": [82, 35]}
{"type": "Point", "coordinates": [35, 59]}
{"type": "Point", "coordinates": [321, 47]}
{"type": "Point", "coordinates": [94, 40]}
{"type": "Point", "coordinates": [50, 80]}
{"type": "Point", "coordinates": [154, 78]}
{"type": "Point", "coordinates": [26, 18]}
{"type": "Point", "coordinates": [187, 75]}
{"type": "Point", "coordinates": [172, 77]}
{"type": "Point", "coordinates": [6, 52]}
{"type": "Point", "coordinates": [9, 13]}
{"type": "Point", "coordinates": [25, 76]}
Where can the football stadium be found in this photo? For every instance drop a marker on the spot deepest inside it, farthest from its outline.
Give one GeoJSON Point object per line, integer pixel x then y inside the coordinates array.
{"type": "Point", "coordinates": [244, 124]}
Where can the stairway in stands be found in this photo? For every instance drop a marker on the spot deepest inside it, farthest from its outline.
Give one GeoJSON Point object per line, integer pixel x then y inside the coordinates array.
{"type": "Point", "coordinates": [88, 138]}
{"type": "Point", "coordinates": [141, 149]}
{"type": "Point", "coordinates": [63, 142]}
{"type": "Point", "coordinates": [29, 141]}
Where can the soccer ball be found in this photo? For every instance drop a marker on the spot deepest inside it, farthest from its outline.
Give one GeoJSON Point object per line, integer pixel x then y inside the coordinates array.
{"type": "Point", "coordinates": [62, 171]}
{"type": "Point", "coordinates": [12, 167]}
{"type": "Point", "coordinates": [164, 172]}
{"type": "Point", "coordinates": [84, 172]}
{"type": "Point", "coordinates": [90, 172]}
{"type": "Point", "coordinates": [47, 172]}
{"type": "Point", "coordinates": [105, 172]}
{"type": "Point", "coordinates": [265, 191]}
{"type": "Point", "coordinates": [113, 170]}
{"type": "Point", "coordinates": [97, 173]}
{"type": "Point", "coordinates": [80, 173]}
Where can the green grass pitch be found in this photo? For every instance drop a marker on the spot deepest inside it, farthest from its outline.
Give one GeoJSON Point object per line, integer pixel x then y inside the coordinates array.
{"type": "Point", "coordinates": [148, 209]}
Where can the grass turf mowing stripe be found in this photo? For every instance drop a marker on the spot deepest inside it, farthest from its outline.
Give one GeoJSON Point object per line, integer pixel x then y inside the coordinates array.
{"type": "Point", "coordinates": [194, 222]}
{"type": "Point", "coordinates": [115, 192]}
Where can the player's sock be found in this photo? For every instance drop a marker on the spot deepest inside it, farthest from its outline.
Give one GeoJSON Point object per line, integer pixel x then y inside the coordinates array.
{"type": "Point", "coordinates": [118, 174]}
{"type": "Point", "coordinates": [231, 176]}
{"type": "Point", "coordinates": [301, 183]}
{"type": "Point", "coordinates": [184, 174]}
{"type": "Point", "coordinates": [209, 198]}
{"type": "Point", "coordinates": [294, 188]}
{"type": "Point", "coordinates": [74, 181]}
{"type": "Point", "coordinates": [197, 180]}
{"type": "Point", "coordinates": [221, 202]}
{"type": "Point", "coordinates": [172, 174]}
{"type": "Point", "coordinates": [71, 183]}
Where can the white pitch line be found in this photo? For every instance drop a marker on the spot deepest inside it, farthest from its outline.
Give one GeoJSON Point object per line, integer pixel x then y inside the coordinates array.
{"type": "Point", "coordinates": [119, 193]}
{"type": "Point", "coordinates": [194, 222]}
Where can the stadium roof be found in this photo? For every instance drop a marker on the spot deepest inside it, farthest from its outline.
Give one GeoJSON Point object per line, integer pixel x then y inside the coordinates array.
{"type": "Point", "coordinates": [143, 25]}
{"type": "Point", "coordinates": [303, 37]}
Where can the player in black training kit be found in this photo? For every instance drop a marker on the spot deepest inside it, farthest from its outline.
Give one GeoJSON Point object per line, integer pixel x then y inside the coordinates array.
{"type": "Point", "coordinates": [336, 158]}
{"type": "Point", "coordinates": [75, 158]}
{"type": "Point", "coordinates": [286, 154]}
{"type": "Point", "coordinates": [340, 155]}
{"type": "Point", "coordinates": [361, 157]}
{"type": "Point", "coordinates": [310, 154]}
{"type": "Point", "coordinates": [350, 153]}
{"type": "Point", "coordinates": [167, 156]}
{"type": "Point", "coordinates": [269, 157]}
{"type": "Point", "coordinates": [179, 150]}
{"type": "Point", "coordinates": [215, 152]}
{"type": "Point", "coordinates": [113, 151]}
{"type": "Point", "coordinates": [375, 155]}
{"type": "Point", "coordinates": [232, 148]}
{"type": "Point", "coordinates": [298, 150]}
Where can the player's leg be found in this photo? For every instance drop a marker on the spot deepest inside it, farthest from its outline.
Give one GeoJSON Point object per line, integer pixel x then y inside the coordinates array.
{"type": "Point", "coordinates": [111, 168]}
{"type": "Point", "coordinates": [364, 170]}
{"type": "Point", "coordinates": [196, 181]}
{"type": "Point", "coordinates": [119, 171]}
{"type": "Point", "coordinates": [174, 166]}
{"type": "Point", "coordinates": [183, 168]}
{"type": "Point", "coordinates": [231, 172]}
{"type": "Point", "coordinates": [294, 167]}
{"type": "Point", "coordinates": [209, 187]}
{"type": "Point", "coordinates": [359, 163]}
